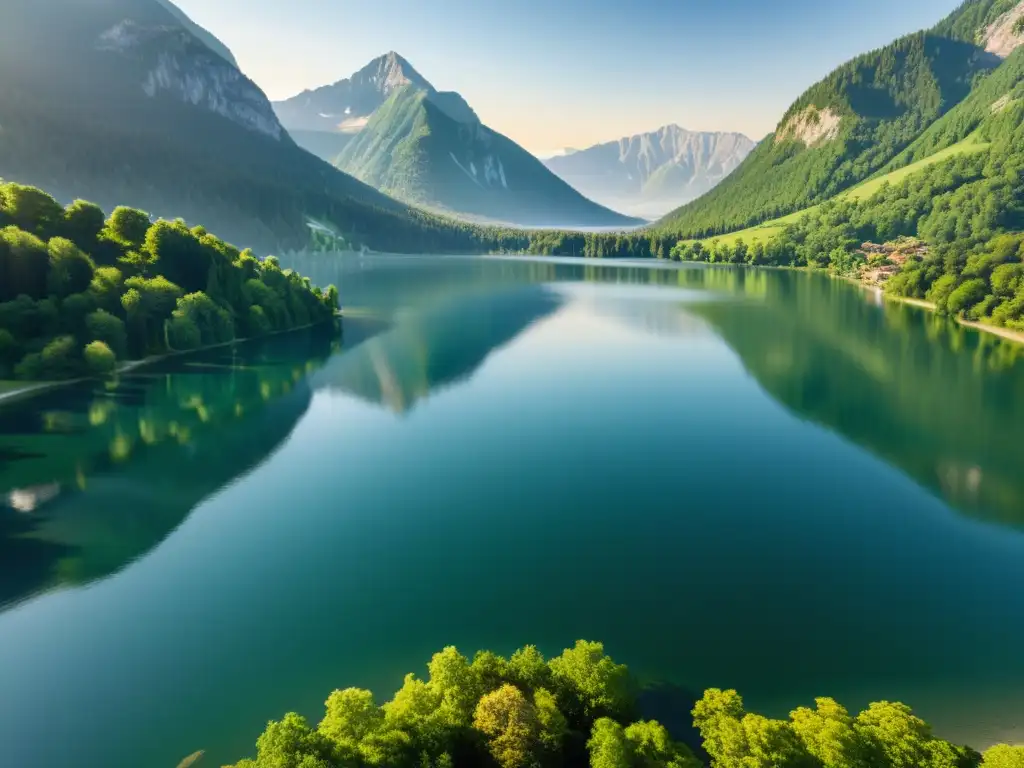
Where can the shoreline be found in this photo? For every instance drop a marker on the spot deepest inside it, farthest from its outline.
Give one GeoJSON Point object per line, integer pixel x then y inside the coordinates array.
{"type": "Point", "coordinates": [1004, 333]}
{"type": "Point", "coordinates": [33, 388]}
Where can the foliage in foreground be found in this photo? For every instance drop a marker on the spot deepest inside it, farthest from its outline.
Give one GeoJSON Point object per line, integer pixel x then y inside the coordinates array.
{"type": "Point", "coordinates": [80, 291]}
{"type": "Point", "coordinates": [580, 709]}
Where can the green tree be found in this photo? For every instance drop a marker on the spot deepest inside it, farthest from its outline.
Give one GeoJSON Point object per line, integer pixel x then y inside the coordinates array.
{"type": "Point", "coordinates": [414, 709]}
{"type": "Point", "coordinates": [83, 223]}
{"type": "Point", "coordinates": [24, 265]}
{"type": "Point", "coordinates": [965, 296]}
{"type": "Point", "coordinates": [510, 722]}
{"type": "Point", "coordinates": [32, 210]}
{"type": "Point", "coordinates": [453, 680]}
{"type": "Point", "coordinates": [291, 743]}
{"type": "Point", "coordinates": [608, 745]}
{"type": "Point", "coordinates": [718, 717]}
{"type": "Point", "coordinates": [99, 358]}
{"type": "Point", "coordinates": [127, 227]}
{"type": "Point", "coordinates": [1007, 279]}
{"type": "Point", "coordinates": [58, 360]}
{"type": "Point", "coordinates": [491, 671]}
{"type": "Point", "coordinates": [108, 287]}
{"type": "Point", "coordinates": [183, 334]}
{"type": "Point", "coordinates": [331, 298]}
{"type": "Point", "coordinates": [591, 683]}
{"type": "Point", "coordinates": [70, 270]}
{"type": "Point", "coordinates": [148, 303]}
{"type": "Point", "coordinates": [941, 290]}
{"type": "Point", "coordinates": [351, 716]}
{"type": "Point", "coordinates": [387, 747]}
{"type": "Point", "coordinates": [528, 669]}
{"type": "Point", "coordinates": [105, 327]}
{"type": "Point", "coordinates": [1004, 756]}
{"type": "Point", "coordinates": [74, 312]}
{"type": "Point", "coordinates": [736, 739]}
{"type": "Point", "coordinates": [553, 725]}
{"type": "Point", "coordinates": [214, 324]}
{"type": "Point", "coordinates": [894, 734]}
{"type": "Point", "coordinates": [652, 747]}
{"type": "Point", "coordinates": [828, 733]}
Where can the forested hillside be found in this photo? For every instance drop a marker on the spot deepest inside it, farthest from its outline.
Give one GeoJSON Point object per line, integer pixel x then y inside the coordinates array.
{"type": "Point", "coordinates": [582, 709]}
{"type": "Point", "coordinates": [80, 291]}
{"type": "Point", "coordinates": [843, 129]}
{"type": "Point", "coordinates": [965, 216]}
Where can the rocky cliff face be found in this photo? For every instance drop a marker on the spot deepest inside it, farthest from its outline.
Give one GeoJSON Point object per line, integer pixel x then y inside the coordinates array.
{"type": "Point", "coordinates": [204, 36]}
{"type": "Point", "coordinates": [1006, 33]}
{"type": "Point", "coordinates": [175, 64]}
{"type": "Point", "coordinates": [650, 173]}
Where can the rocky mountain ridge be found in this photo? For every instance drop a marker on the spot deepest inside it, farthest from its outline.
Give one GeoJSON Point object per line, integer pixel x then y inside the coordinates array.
{"type": "Point", "coordinates": [173, 62]}
{"type": "Point", "coordinates": [650, 173]}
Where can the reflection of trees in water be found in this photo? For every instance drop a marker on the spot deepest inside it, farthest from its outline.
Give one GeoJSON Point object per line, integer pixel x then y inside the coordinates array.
{"type": "Point", "coordinates": [130, 464]}
{"type": "Point", "coordinates": [934, 399]}
{"type": "Point", "coordinates": [434, 348]}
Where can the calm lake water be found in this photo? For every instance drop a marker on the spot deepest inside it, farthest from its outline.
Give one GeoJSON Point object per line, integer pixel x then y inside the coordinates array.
{"type": "Point", "coordinates": [752, 479]}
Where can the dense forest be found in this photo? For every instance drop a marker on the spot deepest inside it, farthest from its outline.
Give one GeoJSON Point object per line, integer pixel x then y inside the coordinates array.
{"type": "Point", "coordinates": [581, 709]}
{"type": "Point", "coordinates": [965, 214]}
{"type": "Point", "coordinates": [80, 291]}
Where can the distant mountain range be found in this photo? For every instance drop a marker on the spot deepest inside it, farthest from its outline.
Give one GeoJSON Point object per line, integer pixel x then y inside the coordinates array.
{"type": "Point", "coordinates": [389, 127]}
{"type": "Point", "coordinates": [651, 173]}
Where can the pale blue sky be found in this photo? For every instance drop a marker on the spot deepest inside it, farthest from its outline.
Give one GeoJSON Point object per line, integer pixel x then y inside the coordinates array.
{"type": "Point", "coordinates": [557, 73]}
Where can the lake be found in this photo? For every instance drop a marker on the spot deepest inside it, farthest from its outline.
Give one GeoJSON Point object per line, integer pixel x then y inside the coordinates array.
{"type": "Point", "coordinates": [765, 480]}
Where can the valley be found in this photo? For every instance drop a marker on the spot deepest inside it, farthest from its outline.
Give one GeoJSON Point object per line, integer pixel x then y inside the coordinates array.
{"type": "Point", "coordinates": [307, 381]}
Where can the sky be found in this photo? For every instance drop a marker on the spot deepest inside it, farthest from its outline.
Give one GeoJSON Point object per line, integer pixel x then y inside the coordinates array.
{"type": "Point", "coordinates": [551, 74]}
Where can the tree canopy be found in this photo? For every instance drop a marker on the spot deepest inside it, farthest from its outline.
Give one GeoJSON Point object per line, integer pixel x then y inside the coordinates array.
{"type": "Point", "coordinates": [79, 291]}
{"type": "Point", "coordinates": [489, 713]}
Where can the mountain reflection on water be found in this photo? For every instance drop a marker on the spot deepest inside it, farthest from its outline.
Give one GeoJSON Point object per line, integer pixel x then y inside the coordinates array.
{"type": "Point", "coordinates": [927, 396]}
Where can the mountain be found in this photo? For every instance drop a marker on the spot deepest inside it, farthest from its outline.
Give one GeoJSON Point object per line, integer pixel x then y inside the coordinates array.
{"type": "Point", "coordinates": [205, 37]}
{"type": "Point", "coordinates": [128, 106]}
{"type": "Point", "coordinates": [652, 173]}
{"type": "Point", "coordinates": [345, 106]}
{"type": "Point", "coordinates": [426, 147]}
{"type": "Point", "coordinates": [857, 120]}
